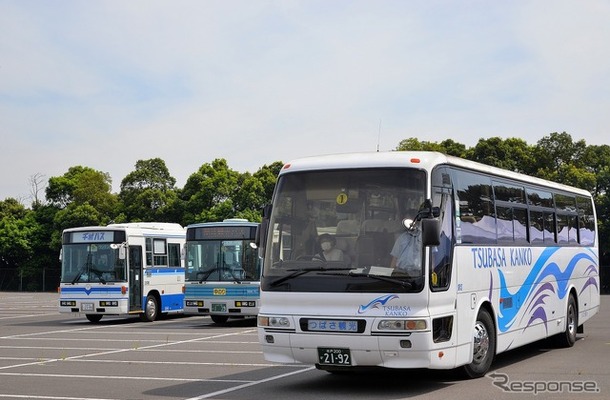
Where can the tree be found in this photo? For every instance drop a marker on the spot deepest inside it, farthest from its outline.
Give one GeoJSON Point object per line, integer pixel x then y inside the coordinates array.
{"type": "Point", "coordinates": [36, 186]}
{"type": "Point", "coordinates": [558, 149]}
{"type": "Point", "coordinates": [83, 185]}
{"type": "Point", "coordinates": [16, 226]}
{"type": "Point", "coordinates": [148, 193]}
{"type": "Point", "coordinates": [208, 193]}
{"type": "Point", "coordinates": [511, 154]}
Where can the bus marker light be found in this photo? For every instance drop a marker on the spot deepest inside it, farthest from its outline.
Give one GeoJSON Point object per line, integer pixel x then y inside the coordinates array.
{"type": "Point", "coordinates": [440, 354]}
{"type": "Point", "coordinates": [123, 289]}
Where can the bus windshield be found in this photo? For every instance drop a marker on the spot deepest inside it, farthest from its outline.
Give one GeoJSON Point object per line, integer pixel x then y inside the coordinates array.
{"type": "Point", "coordinates": [222, 260]}
{"type": "Point", "coordinates": [343, 230]}
{"type": "Point", "coordinates": [89, 262]}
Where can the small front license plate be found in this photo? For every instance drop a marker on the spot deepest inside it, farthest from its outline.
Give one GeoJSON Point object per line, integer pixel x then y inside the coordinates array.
{"type": "Point", "coordinates": [86, 306]}
{"type": "Point", "coordinates": [219, 307]}
{"type": "Point", "coordinates": [327, 356]}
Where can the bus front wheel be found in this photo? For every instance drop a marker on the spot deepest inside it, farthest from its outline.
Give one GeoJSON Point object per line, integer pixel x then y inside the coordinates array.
{"type": "Point", "coordinates": [94, 317]}
{"type": "Point", "coordinates": [151, 309]}
{"type": "Point", "coordinates": [483, 346]}
{"type": "Point", "coordinates": [219, 319]}
{"type": "Point", "coordinates": [568, 337]}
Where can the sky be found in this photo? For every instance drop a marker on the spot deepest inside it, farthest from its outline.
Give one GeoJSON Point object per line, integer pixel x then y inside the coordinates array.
{"type": "Point", "coordinates": [104, 84]}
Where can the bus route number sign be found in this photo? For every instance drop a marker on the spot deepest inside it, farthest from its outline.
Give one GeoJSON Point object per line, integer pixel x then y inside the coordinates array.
{"type": "Point", "coordinates": [330, 356]}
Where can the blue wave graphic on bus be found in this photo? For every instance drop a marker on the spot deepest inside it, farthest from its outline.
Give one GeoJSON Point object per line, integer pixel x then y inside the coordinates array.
{"type": "Point", "coordinates": [535, 292]}
{"type": "Point", "coordinates": [375, 303]}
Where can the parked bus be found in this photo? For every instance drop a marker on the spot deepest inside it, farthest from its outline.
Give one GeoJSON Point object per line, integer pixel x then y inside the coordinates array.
{"type": "Point", "coordinates": [222, 270]}
{"type": "Point", "coordinates": [446, 262]}
{"type": "Point", "coordinates": [122, 269]}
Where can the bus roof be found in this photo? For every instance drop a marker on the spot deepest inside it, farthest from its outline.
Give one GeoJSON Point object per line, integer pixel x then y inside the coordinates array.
{"type": "Point", "coordinates": [229, 222]}
{"type": "Point", "coordinates": [141, 226]}
{"type": "Point", "coordinates": [426, 160]}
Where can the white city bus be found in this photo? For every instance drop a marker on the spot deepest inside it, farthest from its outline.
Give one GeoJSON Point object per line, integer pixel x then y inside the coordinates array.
{"type": "Point", "coordinates": [122, 269]}
{"type": "Point", "coordinates": [502, 259]}
{"type": "Point", "coordinates": [222, 270]}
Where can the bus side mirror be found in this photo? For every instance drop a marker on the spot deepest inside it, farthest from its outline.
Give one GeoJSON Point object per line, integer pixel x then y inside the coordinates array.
{"type": "Point", "coordinates": [431, 231]}
{"type": "Point", "coordinates": [260, 237]}
{"type": "Point", "coordinates": [121, 248]}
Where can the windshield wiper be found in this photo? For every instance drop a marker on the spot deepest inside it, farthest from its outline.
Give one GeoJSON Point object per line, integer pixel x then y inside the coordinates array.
{"type": "Point", "coordinates": [206, 274]}
{"type": "Point", "coordinates": [403, 283]}
{"type": "Point", "coordinates": [302, 271]}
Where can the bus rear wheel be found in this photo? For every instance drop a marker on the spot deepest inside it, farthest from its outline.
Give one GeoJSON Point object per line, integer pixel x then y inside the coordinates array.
{"type": "Point", "coordinates": [151, 309]}
{"type": "Point", "coordinates": [483, 346]}
{"type": "Point", "coordinates": [94, 317]}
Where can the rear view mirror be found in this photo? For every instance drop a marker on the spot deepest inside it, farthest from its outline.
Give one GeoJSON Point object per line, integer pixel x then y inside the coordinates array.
{"type": "Point", "coordinates": [431, 231]}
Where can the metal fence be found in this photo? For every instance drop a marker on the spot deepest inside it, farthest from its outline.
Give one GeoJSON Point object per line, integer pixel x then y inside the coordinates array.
{"type": "Point", "coordinates": [47, 280]}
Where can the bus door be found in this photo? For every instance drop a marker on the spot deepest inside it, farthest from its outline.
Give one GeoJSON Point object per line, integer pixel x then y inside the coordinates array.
{"type": "Point", "coordinates": [135, 278]}
{"type": "Point", "coordinates": [442, 289]}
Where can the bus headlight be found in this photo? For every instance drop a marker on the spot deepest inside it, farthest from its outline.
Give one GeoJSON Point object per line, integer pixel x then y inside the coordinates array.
{"type": "Point", "coordinates": [402, 325]}
{"type": "Point", "coordinates": [274, 322]}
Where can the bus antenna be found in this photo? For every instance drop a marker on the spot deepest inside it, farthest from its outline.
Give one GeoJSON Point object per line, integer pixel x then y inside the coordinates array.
{"type": "Point", "coordinates": [379, 135]}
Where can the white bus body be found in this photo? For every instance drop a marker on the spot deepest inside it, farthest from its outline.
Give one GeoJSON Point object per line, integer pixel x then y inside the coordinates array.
{"type": "Point", "coordinates": [222, 270]}
{"type": "Point", "coordinates": [122, 269]}
{"type": "Point", "coordinates": [506, 260]}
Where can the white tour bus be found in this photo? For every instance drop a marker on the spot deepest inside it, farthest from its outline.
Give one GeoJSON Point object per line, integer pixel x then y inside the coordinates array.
{"type": "Point", "coordinates": [222, 270]}
{"type": "Point", "coordinates": [486, 260]}
{"type": "Point", "coordinates": [122, 269]}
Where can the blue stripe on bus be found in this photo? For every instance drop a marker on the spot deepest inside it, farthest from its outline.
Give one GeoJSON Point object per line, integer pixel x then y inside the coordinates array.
{"type": "Point", "coordinates": [170, 302]}
{"type": "Point", "coordinates": [165, 270]}
{"type": "Point", "coordinates": [95, 290]}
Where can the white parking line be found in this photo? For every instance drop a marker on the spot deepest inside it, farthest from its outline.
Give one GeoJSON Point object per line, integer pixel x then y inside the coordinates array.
{"type": "Point", "coordinates": [42, 362]}
{"type": "Point", "coordinates": [20, 396]}
{"type": "Point", "coordinates": [233, 389]}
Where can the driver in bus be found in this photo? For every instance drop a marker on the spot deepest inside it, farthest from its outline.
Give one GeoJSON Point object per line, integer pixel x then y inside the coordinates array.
{"type": "Point", "coordinates": [329, 251]}
{"type": "Point", "coordinates": [407, 250]}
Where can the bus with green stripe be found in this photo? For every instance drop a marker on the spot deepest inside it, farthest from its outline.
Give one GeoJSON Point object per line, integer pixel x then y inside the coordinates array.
{"type": "Point", "coordinates": [222, 270]}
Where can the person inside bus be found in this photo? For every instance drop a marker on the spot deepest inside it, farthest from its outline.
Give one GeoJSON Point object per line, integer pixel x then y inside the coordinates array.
{"type": "Point", "coordinates": [407, 250]}
{"type": "Point", "coordinates": [329, 251]}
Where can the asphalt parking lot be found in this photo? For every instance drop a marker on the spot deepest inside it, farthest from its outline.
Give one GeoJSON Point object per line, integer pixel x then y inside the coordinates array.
{"type": "Point", "coordinates": [46, 355]}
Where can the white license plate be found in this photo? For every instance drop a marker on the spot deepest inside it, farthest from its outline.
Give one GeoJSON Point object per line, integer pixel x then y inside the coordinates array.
{"type": "Point", "coordinates": [219, 307]}
{"type": "Point", "coordinates": [86, 306]}
{"type": "Point", "coordinates": [330, 356]}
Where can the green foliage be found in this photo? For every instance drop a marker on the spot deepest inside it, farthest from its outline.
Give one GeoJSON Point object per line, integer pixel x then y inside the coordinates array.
{"type": "Point", "coordinates": [82, 185]}
{"type": "Point", "coordinates": [148, 193]}
{"type": "Point", "coordinates": [208, 194]}
{"type": "Point", "coordinates": [511, 154]}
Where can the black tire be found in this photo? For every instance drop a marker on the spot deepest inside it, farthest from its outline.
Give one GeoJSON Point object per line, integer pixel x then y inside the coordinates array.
{"type": "Point", "coordinates": [151, 309]}
{"type": "Point", "coordinates": [568, 337]}
{"type": "Point", "coordinates": [94, 318]}
{"type": "Point", "coordinates": [219, 319]}
{"type": "Point", "coordinates": [484, 346]}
